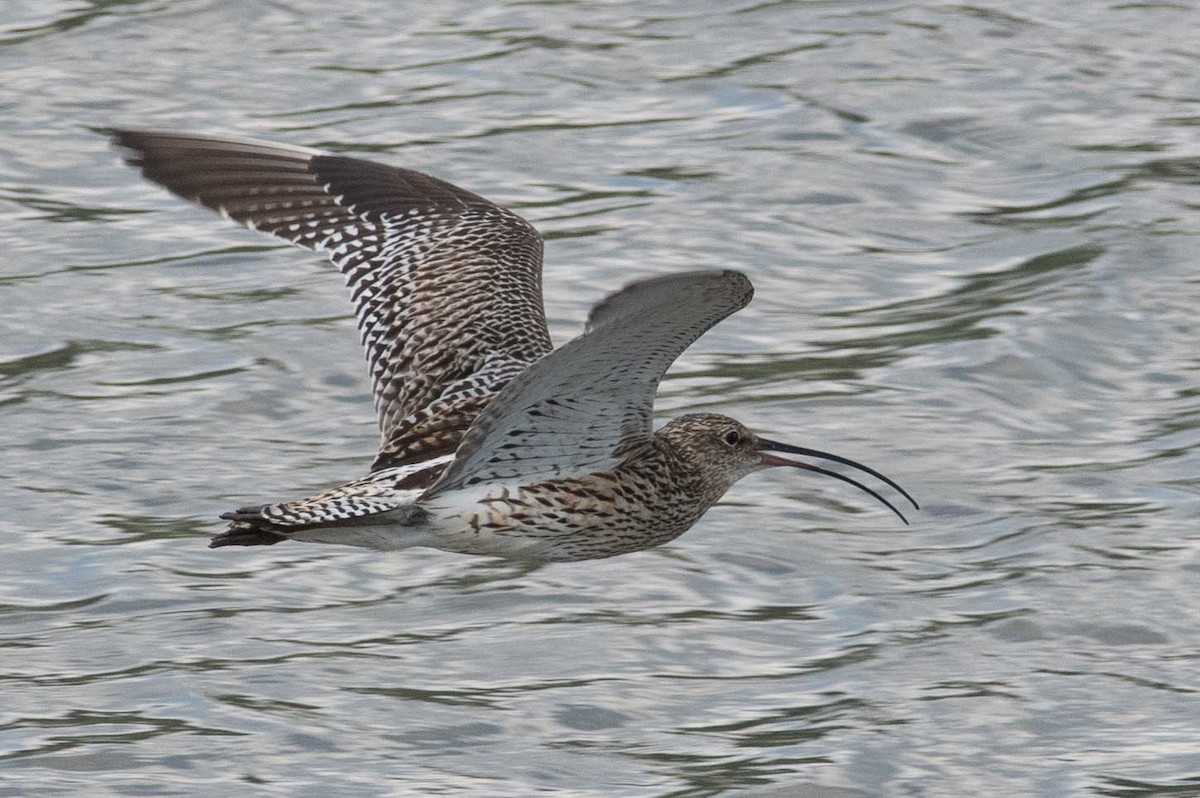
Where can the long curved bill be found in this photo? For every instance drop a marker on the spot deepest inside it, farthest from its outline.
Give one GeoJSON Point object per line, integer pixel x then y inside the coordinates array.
{"type": "Point", "coordinates": [765, 445]}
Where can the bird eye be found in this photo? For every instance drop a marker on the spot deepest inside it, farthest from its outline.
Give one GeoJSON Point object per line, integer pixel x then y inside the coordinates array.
{"type": "Point", "coordinates": [732, 437]}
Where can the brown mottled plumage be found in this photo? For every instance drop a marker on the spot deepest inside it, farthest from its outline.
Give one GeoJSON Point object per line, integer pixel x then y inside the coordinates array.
{"type": "Point", "coordinates": [424, 261]}
{"type": "Point", "coordinates": [491, 443]}
{"type": "Point", "coordinates": [651, 497]}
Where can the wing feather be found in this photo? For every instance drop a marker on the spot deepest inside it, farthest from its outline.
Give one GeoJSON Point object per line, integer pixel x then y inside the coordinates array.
{"type": "Point", "coordinates": [583, 406]}
{"type": "Point", "coordinates": [446, 285]}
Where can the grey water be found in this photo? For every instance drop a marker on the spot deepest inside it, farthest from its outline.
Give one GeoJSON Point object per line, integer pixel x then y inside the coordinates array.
{"type": "Point", "coordinates": [974, 229]}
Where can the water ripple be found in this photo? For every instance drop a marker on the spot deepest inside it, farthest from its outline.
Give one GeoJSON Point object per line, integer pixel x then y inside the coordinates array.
{"type": "Point", "coordinates": [971, 230]}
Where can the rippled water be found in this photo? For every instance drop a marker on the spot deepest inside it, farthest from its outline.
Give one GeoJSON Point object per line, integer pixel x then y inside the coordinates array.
{"type": "Point", "coordinates": [974, 233]}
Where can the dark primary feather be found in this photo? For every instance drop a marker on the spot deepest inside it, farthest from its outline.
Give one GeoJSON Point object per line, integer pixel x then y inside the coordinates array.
{"type": "Point", "coordinates": [588, 403]}
{"type": "Point", "coordinates": [446, 285]}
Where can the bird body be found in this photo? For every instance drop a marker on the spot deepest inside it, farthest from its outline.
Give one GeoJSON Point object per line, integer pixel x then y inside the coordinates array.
{"type": "Point", "coordinates": [650, 498]}
{"type": "Point", "coordinates": [492, 443]}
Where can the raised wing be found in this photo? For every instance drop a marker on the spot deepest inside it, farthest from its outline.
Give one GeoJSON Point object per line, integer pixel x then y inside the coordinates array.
{"type": "Point", "coordinates": [582, 407]}
{"type": "Point", "coordinates": [447, 286]}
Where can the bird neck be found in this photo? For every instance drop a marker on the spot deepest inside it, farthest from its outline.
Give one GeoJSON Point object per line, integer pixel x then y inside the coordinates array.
{"type": "Point", "coordinates": [692, 480]}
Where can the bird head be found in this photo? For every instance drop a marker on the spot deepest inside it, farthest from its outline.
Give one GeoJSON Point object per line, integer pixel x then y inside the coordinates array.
{"type": "Point", "coordinates": [723, 450]}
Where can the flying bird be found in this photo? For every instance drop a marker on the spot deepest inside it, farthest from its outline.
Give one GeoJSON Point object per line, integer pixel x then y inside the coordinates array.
{"type": "Point", "coordinates": [493, 442]}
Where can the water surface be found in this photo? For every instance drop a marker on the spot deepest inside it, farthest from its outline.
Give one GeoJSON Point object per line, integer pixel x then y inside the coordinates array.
{"type": "Point", "coordinates": [973, 230]}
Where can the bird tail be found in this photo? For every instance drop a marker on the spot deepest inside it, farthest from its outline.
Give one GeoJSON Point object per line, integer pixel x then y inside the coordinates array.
{"type": "Point", "coordinates": [333, 517]}
{"type": "Point", "coordinates": [248, 527]}
{"type": "Point", "coordinates": [385, 497]}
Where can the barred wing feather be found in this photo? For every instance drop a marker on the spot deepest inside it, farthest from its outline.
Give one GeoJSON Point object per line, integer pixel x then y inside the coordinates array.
{"type": "Point", "coordinates": [446, 285]}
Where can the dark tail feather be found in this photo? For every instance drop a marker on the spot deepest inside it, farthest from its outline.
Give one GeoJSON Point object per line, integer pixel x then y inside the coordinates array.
{"type": "Point", "coordinates": [249, 514]}
{"type": "Point", "coordinates": [249, 528]}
